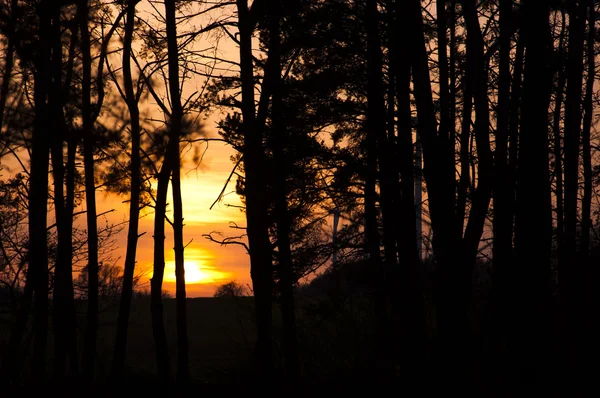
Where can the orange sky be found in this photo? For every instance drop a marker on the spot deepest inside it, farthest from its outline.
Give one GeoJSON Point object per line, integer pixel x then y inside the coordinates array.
{"type": "Point", "coordinates": [208, 264]}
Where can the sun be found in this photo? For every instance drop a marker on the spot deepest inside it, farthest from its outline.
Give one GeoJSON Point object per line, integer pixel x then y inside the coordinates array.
{"type": "Point", "coordinates": [195, 273]}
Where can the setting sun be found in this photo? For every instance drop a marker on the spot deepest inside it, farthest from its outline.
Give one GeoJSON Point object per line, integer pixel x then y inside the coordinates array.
{"type": "Point", "coordinates": [195, 273]}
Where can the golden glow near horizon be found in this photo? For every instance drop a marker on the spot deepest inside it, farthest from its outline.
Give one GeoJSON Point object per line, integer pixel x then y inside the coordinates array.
{"type": "Point", "coordinates": [195, 273]}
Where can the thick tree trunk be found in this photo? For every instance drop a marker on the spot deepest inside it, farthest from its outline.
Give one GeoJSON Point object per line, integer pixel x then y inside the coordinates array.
{"type": "Point", "coordinates": [485, 166]}
{"type": "Point", "coordinates": [38, 193]}
{"type": "Point", "coordinates": [256, 202]}
{"type": "Point", "coordinates": [279, 144]}
{"type": "Point", "coordinates": [174, 136]}
{"type": "Point", "coordinates": [439, 175]}
{"type": "Point", "coordinates": [529, 340]}
{"type": "Point", "coordinates": [409, 306]}
{"type": "Point", "coordinates": [120, 349]}
{"type": "Point", "coordinates": [63, 275]}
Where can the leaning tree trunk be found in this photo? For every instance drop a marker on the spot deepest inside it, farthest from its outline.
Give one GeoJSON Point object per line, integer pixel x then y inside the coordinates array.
{"type": "Point", "coordinates": [256, 202]}
{"type": "Point", "coordinates": [174, 136]}
{"type": "Point", "coordinates": [134, 202]}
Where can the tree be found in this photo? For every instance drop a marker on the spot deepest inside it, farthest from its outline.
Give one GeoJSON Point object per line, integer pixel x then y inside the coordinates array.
{"type": "Point", "coordinates": [231, 289]}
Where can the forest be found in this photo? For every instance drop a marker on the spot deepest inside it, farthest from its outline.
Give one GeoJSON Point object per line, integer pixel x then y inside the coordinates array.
{"type": "Point", "coordinates": [431, 166]}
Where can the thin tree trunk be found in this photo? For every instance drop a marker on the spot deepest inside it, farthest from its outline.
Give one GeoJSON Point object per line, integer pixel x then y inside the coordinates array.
{"type": "Point", "coordinates": [558, 158]}
{"type": "Point", "coordinates": [8, 60]}
{"type": "Point", "coordinates": [376, 128]}
{"type": "Point", "coordinates": [156, 305]}
{"type": "Point", "coordinates": [91, 332]}
{"type": "Point", "coordinates": [174, 136]}
{"type": "Point", "coordinates": [503, 220]}
{"type": "Point", "coordinates": [120, 349]}
{"type": "Point", "coordinates": [588, 103]}
{"type": "Point", "coordinates": [442, 32]}
{"type": "Point", "coordinates": [256, 203]}
{"type": "Point", "coordinates": [572, 142]}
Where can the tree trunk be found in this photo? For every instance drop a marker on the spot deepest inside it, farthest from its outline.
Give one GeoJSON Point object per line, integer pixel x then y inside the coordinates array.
{"type": "Point", "coordinates": [409, 306]}
{"type": "Point", "coordinates": [529, 340]}
{"type": "Point", "coordinates": [558, 158]}
{"type": "Point", "coordinates": [89, 353]}
{"type": "Point", "coordinates": [439, 175]}
{"type": "Point", "coordinates": [156, 305]}
{"type": "Point", "coordinates": [567, 269]}
{"type": "Point", "coordinates": [376, 128]}
{"type": "Point", "coordinates": [256, 204]}
{"type": "Point", "coordinates": [586, 155]}
{"type": "Point", "coordinates": [174, 136]}
{"type": "Point", "coordinates": [485, 166]}
{"type": "Point", "coordinates": [503, 220]}
{"type": "Point", "coordinates": [38, 193]}
{"type": "Point", "coordinates": [279, 141]}
{"type": "Point", "coordinates": [120, 349]}
{"type": "Point", "coordinates": [8, 60]}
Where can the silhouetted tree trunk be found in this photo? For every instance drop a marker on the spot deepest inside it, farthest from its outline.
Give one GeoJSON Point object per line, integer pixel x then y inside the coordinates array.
{"type": "Point", "coordinates": [279, 142]}
{"type": "Point", "coordinates": [376, 127]}
{"type": "Point", "coordinates": [482, 195]}
{"type": "Point", "coordinates": [442, 32]}
{"type": "Point", "coordinates": [91, 331]}
{"type": "Point", "coordinates": [174, 136]}
{"type": "Point", "coordinates": [529, 338]}
{"type": "Point", "coordinates": [503, 218]}
{"type": "Point", "coordinates": [567, 269]}
{"type": "Point", "coordinates": [9, 54]}
{"type": "Point", "coordinates": [438, 153]}
{"type": "Point", "coordinates": [586, 155]}
{"type": "Point", "coordinates": [256, 203]}
{"type": "Point", "coordinates": [409, 309]}
{"type": "Point", "coordinates": [63, 308]}
{"type": "Point", "coordinates": [558, 158]}
{"type": "Point", "coordinates": [156, 305]}
{"type": "Point", "coordinates": [134, 202]}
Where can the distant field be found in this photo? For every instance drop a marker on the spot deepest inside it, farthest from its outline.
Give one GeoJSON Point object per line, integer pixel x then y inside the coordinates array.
{"type": "Point", "coordinates": [221, 337]}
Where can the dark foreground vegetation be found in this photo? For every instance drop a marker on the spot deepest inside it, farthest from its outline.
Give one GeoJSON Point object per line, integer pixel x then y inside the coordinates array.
{"type": "Point", "coordinates": [436, 162]}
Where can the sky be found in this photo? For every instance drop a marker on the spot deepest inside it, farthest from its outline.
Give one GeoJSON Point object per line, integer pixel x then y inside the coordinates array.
{"type": "Point", "coordinates": [207, 264]}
